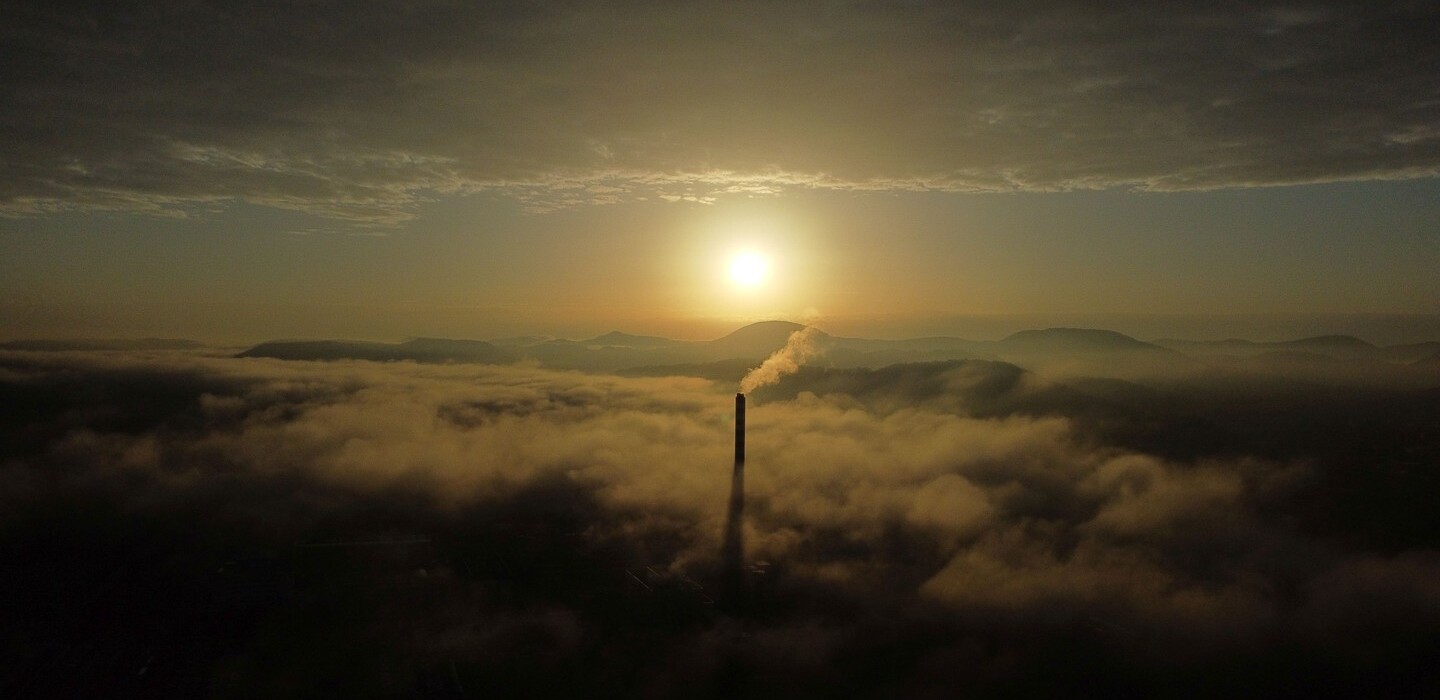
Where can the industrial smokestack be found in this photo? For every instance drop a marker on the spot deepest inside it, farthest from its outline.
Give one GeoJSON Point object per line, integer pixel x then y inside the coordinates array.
{"type": "Point", "coordinates": [739, 431]}
{"type": "Point", "coordinates": [733, 552]}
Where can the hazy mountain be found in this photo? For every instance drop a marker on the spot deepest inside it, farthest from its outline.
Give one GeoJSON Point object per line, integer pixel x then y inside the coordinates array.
{"type": "Point", "coordinates": [1413, 352]}
{"type": "Point", "coordinates": [755, 340]}
{"type": "Point", "coordinates": [1334, 346]}
{"type": "Point", "coordinates": [626, 340]}
{"type": "Point", "coordinates": [1328, 342]}
{"type": "Point", "coordinates": [868, 352]}
{"type": "Point", "coordinates": [1070, 352]}
{"type": "Point", "coordinates": [90, 344]}
{"type": "Point", "coordinates": [582, 355]}
{"type": "Point", "coordinates": [319, 350]}
{"type": "Point", "coordinates": [1342, 347]}
{"type": "Point", "coordinates": [1073, 339]}
{"type": "Point", "coordinates": [1229, 345]}
{"type": "Point", "coordinates": [617, 351]}
{"type": "Point", "coordinates": [418, 350]}
{"type": "Point", "coordinates": [1085, 351]}
{"type": "Point", "coordinates": [720, 370]}
{"type": "Point", "coordinates": [521, 340]}
{"type": "Point", "coordinates": [1294, 357]}
{"type": "Point", "coordinates": [446, 350]}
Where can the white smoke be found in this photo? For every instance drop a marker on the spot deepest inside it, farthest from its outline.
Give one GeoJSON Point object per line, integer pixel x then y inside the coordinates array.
{"type": "Point", "coordinates": [800, 347]}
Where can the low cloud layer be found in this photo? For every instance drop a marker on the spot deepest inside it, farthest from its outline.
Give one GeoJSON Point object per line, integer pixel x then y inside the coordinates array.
{"type": "Point", "coordinates": [362, 110]}
{"type": "Point", "coordinates": [913, 548]}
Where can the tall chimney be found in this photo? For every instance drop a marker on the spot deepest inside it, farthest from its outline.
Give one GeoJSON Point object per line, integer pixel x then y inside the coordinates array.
{"type": "Point", "coordinates": [739, 432]}
{"type": "Point", "coordinates": [733, 550]}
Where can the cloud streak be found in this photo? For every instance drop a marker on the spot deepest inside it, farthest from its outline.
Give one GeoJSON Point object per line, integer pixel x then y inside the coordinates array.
{"type": "Point", "coordinates": [363, 112]}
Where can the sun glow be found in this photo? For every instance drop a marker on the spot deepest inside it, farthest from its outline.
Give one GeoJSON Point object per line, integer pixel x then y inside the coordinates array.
{"type": "Point", "coordinates": [746, 263]}
{"type": "Point", "coordinates": [749, 270]}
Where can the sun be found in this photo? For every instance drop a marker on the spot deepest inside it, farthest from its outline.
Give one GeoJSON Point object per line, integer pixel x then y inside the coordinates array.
{"type": "Point", "coordinates": [749, 270]}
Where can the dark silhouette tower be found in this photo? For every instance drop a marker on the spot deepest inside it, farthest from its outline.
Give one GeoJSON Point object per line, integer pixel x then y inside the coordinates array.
{"type": "Point", "coordinates": [733, 551]}
{"type": "Point", "coordinates": [739, 433]}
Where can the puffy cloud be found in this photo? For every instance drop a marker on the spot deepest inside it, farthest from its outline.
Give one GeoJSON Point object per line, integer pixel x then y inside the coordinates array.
{"type": "Point", "coordinates": [912, 533]}
{"type": "Point", "coordinates": [361, 110]}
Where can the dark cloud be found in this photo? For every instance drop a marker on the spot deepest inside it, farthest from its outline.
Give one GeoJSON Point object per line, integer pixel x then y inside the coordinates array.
{"type": "Point", "coordinates": [529, 530]}
{"type": "Point", "coordinates": [360, 110]}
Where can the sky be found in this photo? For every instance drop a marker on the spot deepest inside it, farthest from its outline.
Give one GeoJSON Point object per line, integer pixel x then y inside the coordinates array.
{"type": "Point", "coordinates": [234, 172]}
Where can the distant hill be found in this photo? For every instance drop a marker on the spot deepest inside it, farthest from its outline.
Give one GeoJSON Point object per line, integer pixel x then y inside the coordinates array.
{"type": "Point", "coordinates": [1342, 347]}
{"type": "Point", "coordinates": [1086, 351]}
{"type": "Point", "coordinates": [93, 344]}
{"type": "Point", "coordinates": [1229, 345]}
{"type": "Point", "coordinates": [1410, 353]}
{"type": "Point", "coordinates": [446, 350]}
{"type": "Point", "coordinates": [1291, 358]}
{"type": "Point", "coordinates": [521, 340]}
{"type": "Point", "coordinates": [1058, 352]}
{"type": "Point", "coordinates": [720, 370]}
{"type": "Point", "coordinates": [869, 352]}
{"type": "Point", "coordinates": [1073, 339]}
{"type": "Point", "coordinates": [1328, 342]}
{"type": "Point", "coordinates": [583, 355]}
{"type": "Point", "coordinates": [1069, 350]}
{"type": "Point", "coordinates": [755, 340]}
{"type": "Point", "coordinates": [434, 350]}
{"type": "Point", "coordinates": [626, 340]}
{"type": "Point", "coordinates": [617, 351]}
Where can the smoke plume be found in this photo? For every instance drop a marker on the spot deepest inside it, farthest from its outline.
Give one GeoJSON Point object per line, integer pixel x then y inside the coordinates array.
{"type": "Point", "coordinates": [787, 360]}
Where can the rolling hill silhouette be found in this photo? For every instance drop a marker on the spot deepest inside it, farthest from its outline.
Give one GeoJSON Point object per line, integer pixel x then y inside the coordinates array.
{"type": "Point", "coordinates": [1074, 339]}
{"type": "Point", "coordinates": [626, 340]}
{"type": "Point", "coordinates": [1334, 346]}
{"type": "Point", "coordinates": [418, 350]}
{"type": "Point", "coordinates": [1074, 352]}
{"type": "Point", "coordinates": [755, 340]}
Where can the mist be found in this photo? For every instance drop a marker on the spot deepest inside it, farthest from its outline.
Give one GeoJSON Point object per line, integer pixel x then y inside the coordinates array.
{"type": "Point", "coordinates": [915, 530]}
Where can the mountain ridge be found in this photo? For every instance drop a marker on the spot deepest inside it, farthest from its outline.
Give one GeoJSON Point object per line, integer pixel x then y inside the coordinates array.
{"type": "Point", "coordinates": [1072, 351]}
